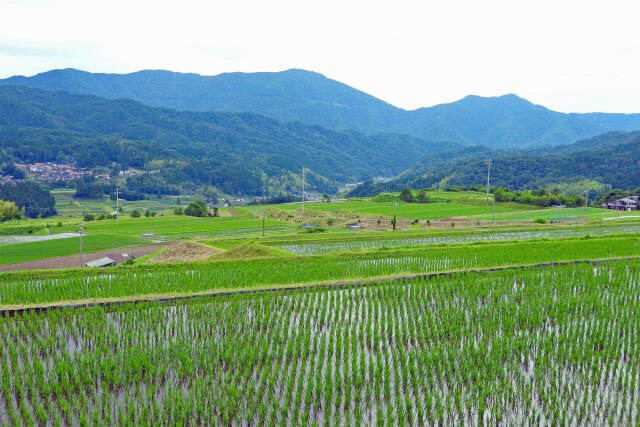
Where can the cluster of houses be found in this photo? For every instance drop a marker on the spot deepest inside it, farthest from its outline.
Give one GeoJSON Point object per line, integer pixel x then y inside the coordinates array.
{"type": "Point", "coordinates": [51, 172]}
{"type": "Point", "coordinates": [625, 204]}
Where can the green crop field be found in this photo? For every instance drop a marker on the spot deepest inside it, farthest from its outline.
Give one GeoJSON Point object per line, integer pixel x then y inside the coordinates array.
{"type": "Point", "coordinates": [430, 211]}
{"type": "Point", "coordinates": [544, 346]}
{"type": "Point", "coordinates": [109, 234]}
{"type": "Point", "coordinates": [54, 248]}
{"type": "Point", "coordinates": [261, 273]}
{"type": "Point", "coordinates": [181, 226]}
{"type": "Point", "coordinates": [560, 214]}
{"type": "Point", "coordinates": [67, 205]}
{"type": "Point", "coordinates": [302, 247]}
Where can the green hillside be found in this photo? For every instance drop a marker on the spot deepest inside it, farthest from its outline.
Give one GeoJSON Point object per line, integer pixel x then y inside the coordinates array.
{"type": "Point", "coordinates": [239, 153]}
{"type": "Point", "coordinates": [611, 159]}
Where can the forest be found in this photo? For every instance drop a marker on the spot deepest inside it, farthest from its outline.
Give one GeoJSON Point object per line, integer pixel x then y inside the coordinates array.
{"type": "Point", "coordinates": [36, 200]}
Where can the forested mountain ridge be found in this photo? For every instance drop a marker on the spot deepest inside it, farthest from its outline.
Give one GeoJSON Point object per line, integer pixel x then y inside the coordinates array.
{"type": "Point", "coordinates": [298, 95]}
{"type": "Point", "coordinates": [239, 153]}
{"type": "Point", "coordinates": [612, 159]}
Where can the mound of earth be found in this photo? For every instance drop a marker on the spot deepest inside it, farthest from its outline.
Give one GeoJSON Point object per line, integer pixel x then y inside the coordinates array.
{"type": "Point", "coordinates": [184, 252]}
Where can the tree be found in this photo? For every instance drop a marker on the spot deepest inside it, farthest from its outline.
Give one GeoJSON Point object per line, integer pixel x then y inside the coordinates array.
{"type": "Point", "coordinates": [135, 213]}
{"type": "Point", "coordinates": [9, 169]}
{"type": "Point", "coordinates": [211, 194]}
{"type": "Point", "coordinates": [393, 221]}
{"type": "Point", "coordinates": [422, 197]}
{"type": "Point", "coordinates": [36, 200]}
{"type": "Point", "coordinates": [406, 195]}
{"type": "Point", "coordinates": [9, 211]}
{"type": "Point", "coordinates": [326, 198]}
{"type": "Point", "coordinates": [197, 208]}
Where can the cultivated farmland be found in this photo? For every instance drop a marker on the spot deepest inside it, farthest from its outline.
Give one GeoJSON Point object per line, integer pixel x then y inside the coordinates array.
{"type": "Point", "coordinates": [26, 289]}
{"type": "Point", "coordinates": [318, 248]}
{"type": "Point", "coordinates": [540, 346]}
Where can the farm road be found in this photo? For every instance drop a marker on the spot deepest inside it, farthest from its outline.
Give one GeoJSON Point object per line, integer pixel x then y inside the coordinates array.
{"type": "Point", "coordinates": [73, 261]}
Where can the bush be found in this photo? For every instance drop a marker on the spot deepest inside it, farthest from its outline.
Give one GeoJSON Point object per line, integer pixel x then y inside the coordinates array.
{"type": "Point", "coordinates": [540, 221]}
{"type": "Point", "coordinates": [178, 212]}
{"type": "Point", "coordinates": [89, 217]}
{"type": "Point", "coordinates": [9, 211]}
{"type": "Point", "coordinates": [406, 195]}
{"type": "Point", "coordinates": [315, 230]}
{"type": "Point", "coordinates": [135, 213]}
{"type": "Point", "coordinates": [197, 208]}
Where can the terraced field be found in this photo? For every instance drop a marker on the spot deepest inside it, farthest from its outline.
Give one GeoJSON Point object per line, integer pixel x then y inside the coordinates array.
{"type": "Point", "coordinates": [429, 211]}
{"type": "Point", "coordinates": [320, 248]}
{"type": "Point", "coordinates": [550, 346]}
{"type": "Point", "coordinates": [27, 289]}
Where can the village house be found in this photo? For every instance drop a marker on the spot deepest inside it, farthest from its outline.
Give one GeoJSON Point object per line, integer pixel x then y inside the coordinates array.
{"type": "Point", "coordinates": [624, 204]}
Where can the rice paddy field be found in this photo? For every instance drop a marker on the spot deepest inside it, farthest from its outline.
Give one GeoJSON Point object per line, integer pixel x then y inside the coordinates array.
{"type": "Point", "coordinates": [22, 252]}
{"type": "Point", "coordinates": [111, 234]}
{"type": "Point", "coordinates": [344, 245]}
{"type": "Point", "coordinates": [560, 214]}
{"type": "Point", "coordinates": [26, 289]}
{"type": "Point", "coordinates": [429, 211]}
{"type": "Point", "coordinates": [506, 324]}
{"type": "Point", "coordinates": [551, 346]}
{"type": "Point", "coordinates": [68, 206]}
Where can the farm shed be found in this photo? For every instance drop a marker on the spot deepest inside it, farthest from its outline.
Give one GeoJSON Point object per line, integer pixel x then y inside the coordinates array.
{"type": "Point", "coordinates": [102, 262]}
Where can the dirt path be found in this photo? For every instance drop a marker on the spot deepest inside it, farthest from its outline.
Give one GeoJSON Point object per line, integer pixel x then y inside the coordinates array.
{"type": "Point", "coordinates": [73, 261]}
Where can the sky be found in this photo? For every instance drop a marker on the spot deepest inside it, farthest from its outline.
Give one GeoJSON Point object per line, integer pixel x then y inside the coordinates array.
{"type": "Point", "coordinates": [570, 56]}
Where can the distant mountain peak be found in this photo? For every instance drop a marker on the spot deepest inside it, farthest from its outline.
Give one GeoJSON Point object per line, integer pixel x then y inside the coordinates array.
{"type": "Point", "coordinates": [295, 94]}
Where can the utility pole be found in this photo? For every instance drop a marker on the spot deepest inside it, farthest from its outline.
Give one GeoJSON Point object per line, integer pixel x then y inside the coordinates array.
{"type": "Point", "coordinates": [81, 230]}
{"type": "Point", "coordinates": [586, 205]}
{"type": "Point", "coordinates": [493, 216]}
{"type": "Point", "coordinates": [263, 221]}
{"type": "Point", "coordinates": [395, 204]}
{"type": "Point", "coordinates": [488, 178]}
{"type": "Point", "coordinates": [117, 205]}
{"type": "Point", "coordinates": [303, 190]}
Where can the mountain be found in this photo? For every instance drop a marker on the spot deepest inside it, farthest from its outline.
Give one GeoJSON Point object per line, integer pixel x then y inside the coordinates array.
{"type": "Point", "coordinates": [292, 95]}
{"type": "Point", "coordinates": [238, 153]}
{"type": "Point", "coordinates": [612, 158]}
{"type": "Point", "coordinates": [298, 95]}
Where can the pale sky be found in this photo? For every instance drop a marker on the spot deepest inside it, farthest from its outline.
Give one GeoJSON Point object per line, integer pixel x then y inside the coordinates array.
{"type": "Point", "coordinates": [571, 56]}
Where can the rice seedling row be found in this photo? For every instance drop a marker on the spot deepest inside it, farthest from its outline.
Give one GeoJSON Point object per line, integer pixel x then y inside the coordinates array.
{"type": "Point", "coordinates": [17, 289]}
{"type": "Point", "coordinates": [541, 346]}
{"type": "Point", "coordinates": [320, 248]}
